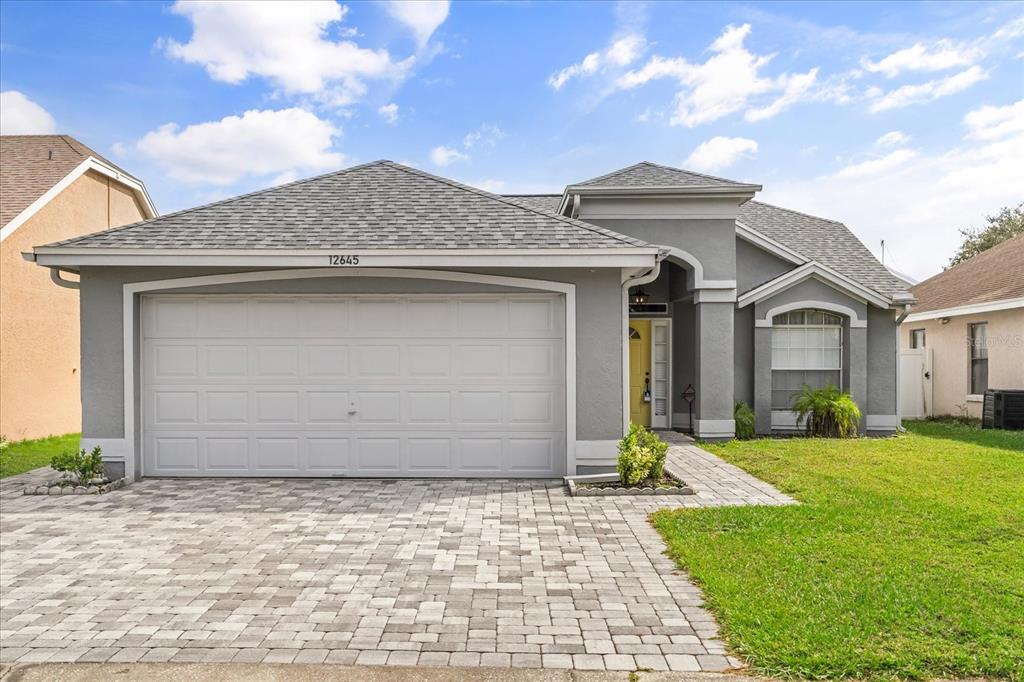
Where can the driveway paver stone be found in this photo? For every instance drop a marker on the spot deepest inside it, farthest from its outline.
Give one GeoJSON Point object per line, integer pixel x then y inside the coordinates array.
{"type": "Point", "coordinates": [497, 573]}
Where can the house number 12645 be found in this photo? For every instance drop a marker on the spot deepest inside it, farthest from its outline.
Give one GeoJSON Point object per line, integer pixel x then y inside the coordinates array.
{"type": "Point", "coordinates": [338, 259]}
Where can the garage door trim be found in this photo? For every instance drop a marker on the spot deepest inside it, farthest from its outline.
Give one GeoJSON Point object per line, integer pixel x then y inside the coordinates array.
{"type": "Point", "coordinates": [130, 451]}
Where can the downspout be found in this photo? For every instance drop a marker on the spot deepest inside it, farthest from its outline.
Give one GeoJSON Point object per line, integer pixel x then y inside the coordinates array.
{"type": "Point", "coordinates": [638, 280]}
{"type": "Point", "coordinates": [61, 282]}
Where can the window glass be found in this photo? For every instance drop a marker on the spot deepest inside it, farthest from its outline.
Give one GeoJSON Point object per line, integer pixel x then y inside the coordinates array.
{"type": "Point", "coordinates": [806, 349]}
{"type": "Point", "coordinates": [978, 338]}
{"type": "Point", "coordinates": [917, 338]}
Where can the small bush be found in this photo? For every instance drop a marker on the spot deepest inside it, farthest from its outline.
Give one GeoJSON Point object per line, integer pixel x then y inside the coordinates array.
{"type": "Point", "coordinates": [641, 456]}
{"type": "Point", "coordinates": [827, 412]}
{"type": "Point", "coordinates": [83, 467]}
{"type": "Point", "coordinates": [745, 419]}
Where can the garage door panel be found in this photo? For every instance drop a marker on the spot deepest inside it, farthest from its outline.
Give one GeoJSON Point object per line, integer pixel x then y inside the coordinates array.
{"type": "Point", "coordinates": [223, 317]}
{"type": "Point", "coordinates": [276, 361]}
{"type": "Point", "coordinates": [328, 407]}
{"type": "Point", "coordinates": [276, 455]}
{"type": "Point", "coordinates": [353, 386]}
{"type": "Point", "coordinates": [276, 407]}
{"type": "Point", "coordinates": [325, 317]}
{"type": "Point", "coordinates": [227, 361]}
{"type": "Point", "coordinates": [227, 407]}
{"type": "Point", "coordinates": [326, 361]}
{"type": "Point", "coordinates": [175, 407]}
{"type": "Point", "coordinates": [227, 455]}
{"type": "Point", "coordinates": [530, 454]}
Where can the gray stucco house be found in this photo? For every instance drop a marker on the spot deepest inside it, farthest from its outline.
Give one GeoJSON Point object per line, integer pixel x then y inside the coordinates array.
{"type": "Point", "coordinates": [382, 321]}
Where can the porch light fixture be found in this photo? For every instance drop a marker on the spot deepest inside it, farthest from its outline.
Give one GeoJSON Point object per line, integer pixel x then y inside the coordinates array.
{"type": "Point", "coordinates": [639, 297]}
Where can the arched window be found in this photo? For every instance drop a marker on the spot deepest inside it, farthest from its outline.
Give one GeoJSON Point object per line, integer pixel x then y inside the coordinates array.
{"type": "Point", "coordinates": [807, 348]}
{"type": "Point", "coordinates": [634, 334]}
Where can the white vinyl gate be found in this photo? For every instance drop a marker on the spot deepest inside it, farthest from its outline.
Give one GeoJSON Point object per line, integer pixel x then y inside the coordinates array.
{"type": "Point", "coordinates": [915, 383]}
{"type": "Point", "coordinates": [469, 385]}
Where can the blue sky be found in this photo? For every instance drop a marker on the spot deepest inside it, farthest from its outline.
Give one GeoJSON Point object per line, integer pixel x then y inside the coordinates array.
{"type": "Point", "coordinates": [905, 120]}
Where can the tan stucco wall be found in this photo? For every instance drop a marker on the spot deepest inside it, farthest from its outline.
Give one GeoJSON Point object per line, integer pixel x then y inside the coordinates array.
{"type": "Point", "coordinates": [950, 369]}
{"type": "Point", "coordinates": [39, 351]}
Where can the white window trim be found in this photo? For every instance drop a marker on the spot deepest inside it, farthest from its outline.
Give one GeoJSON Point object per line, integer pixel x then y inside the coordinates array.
{"type": "Point", "coordinates": [126, 448]}
{"type": "Point", "coordinates": [90, 164]}
{"type": "Point", "coordinates": [854, 320]}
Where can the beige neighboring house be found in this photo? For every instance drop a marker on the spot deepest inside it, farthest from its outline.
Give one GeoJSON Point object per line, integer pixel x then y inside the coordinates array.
{"type": "Point", "coordinates": [965, 334]}
{"type": "Point", "coordinates": [52, 187]}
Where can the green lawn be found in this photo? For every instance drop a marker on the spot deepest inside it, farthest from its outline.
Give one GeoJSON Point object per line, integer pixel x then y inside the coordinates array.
{"type": "Point", "coordinates": [26, 455]}
{"type": "Point", "coordinates": [904, 560]}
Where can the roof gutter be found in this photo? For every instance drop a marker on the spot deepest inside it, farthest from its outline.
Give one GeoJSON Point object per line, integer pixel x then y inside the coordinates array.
{"type": "Point", "coordinates": [61, 282]}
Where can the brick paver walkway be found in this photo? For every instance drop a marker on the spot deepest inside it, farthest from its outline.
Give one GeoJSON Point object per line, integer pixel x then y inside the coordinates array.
{"type": "Point", "coordinates": [454, 572]}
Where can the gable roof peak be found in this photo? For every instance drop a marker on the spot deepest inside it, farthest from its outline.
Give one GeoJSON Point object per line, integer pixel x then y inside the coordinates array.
{"type": "Point", "coordinates": [650, 175]}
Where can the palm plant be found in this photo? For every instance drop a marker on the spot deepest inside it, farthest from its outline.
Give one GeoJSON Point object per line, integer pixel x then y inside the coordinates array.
{"type": "Point", "coordinates": [827, 412]}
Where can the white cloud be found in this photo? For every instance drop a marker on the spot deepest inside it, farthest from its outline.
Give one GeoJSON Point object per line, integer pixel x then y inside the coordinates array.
{"type": "Point", "coordinates": [21, 116]}
{"type": "Point", "coordinates": [621, 53]}
{"type": "Point", "coordinates": [281, 143]}
{"type": "Point", "coordinates": [876, 166]}
{"type": "Point", "coordinates": [422, 17]}
{"type": "Point", "coordinates": [389, 112]}
{"type": "Point", "coordinates": [922, 199]}
{"type": "Point", "coordinates": [443, 156]}
{"type": "Point", "coordinates": [993, 123]}
{"type": "Point", "coordinates": [893, 138]}
{"type": "Point", "coordinates": [795, 88]}
{"type": "Point", "coordinates": [909, 95]}
{"type": "Point", "coordinates": [726, 83]}
{"type": "Point", "coordinates": [487, 134]}
{"type": "Point", "coordinates": [284, 42]}
{"type": "Point", "coordinates": [941, 56]}
{"type": "Point", "coordinates": [720, 152]}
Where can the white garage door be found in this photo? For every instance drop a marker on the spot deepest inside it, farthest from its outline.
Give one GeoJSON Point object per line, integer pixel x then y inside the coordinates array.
{"type": "Point", "coordinates": [367, 385]}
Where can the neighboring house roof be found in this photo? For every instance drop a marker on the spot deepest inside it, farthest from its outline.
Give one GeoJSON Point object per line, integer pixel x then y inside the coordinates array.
{"type": "Point", "coordinates": [994, 275]}
{"type": "Point", "coordinates": [828, 242]}
{"type": "Point", "coordinates": [34, 168]}
{"type": "Point", "coordinates": [646, 175]}
{"type": "Point", "coordinates": [379, 205]}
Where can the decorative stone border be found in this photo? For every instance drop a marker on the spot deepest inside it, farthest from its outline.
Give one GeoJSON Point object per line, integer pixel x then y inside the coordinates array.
{"type": "Point", "coordinates": [576, 490]}
{"type": "Point", "coordinates": [54, 488]}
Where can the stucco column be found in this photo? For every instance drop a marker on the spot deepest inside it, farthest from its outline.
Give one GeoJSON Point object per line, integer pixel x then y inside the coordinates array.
{"type": "Point", "coordinates": [714, 365]}
{"type": "Point", "coordinates": [763, 380]}
{"type": "Point", "coordinates": [858, 371]}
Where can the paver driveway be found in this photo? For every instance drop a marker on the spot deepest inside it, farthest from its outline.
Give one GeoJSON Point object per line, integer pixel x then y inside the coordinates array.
{"type": "Point", "coordinates": [452, 572]}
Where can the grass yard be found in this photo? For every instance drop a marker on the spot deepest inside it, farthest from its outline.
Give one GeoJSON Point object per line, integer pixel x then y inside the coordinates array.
{"type": "Point", "coordinates": [17, 458]}
{"type": "Point", "coordinates": [904, 560]}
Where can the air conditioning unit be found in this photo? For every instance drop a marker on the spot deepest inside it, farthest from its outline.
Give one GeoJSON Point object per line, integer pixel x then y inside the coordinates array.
{"type": "Point", "coordinates": [1003, 409]}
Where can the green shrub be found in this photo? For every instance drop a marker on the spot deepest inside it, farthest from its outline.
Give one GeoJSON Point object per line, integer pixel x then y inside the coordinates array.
{"type": "Point", "coordinates": [827, 412]}
{"type": "Point", "coordinates": [745, 420]}
{"type": "Point", "coordinates": [641, 456]}
{"type": "Point", "coordinates": [83, 467]}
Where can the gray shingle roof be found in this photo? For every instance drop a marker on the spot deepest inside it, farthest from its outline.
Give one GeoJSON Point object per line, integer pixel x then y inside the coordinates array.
{"type": "Point", "coordinates": [647, 174]}
{"type": "Point", "coordinates": [548, 203]}
{"type": "Point", "coordinates": [828, 242]}
{"type": "Point", "coordinates": [379, 205]}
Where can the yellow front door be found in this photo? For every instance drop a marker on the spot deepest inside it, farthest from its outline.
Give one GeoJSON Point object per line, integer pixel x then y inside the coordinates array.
{"type": "Point", "coordinates": [639, 371]}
